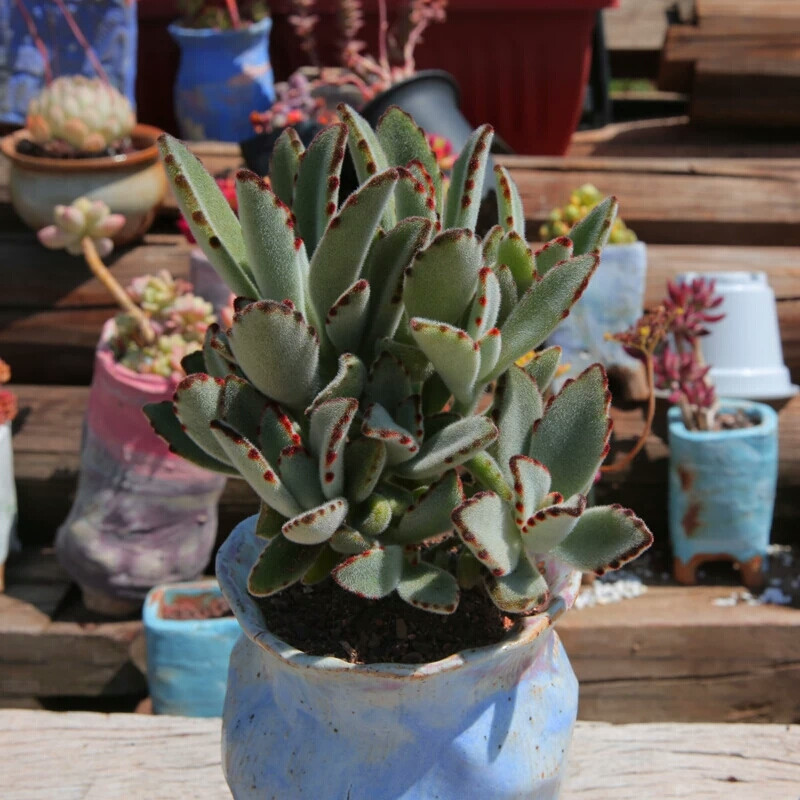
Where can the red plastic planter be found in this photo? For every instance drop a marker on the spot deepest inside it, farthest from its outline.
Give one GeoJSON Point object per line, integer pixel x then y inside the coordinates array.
{"type": "Point", "coordinates": [522, 64]}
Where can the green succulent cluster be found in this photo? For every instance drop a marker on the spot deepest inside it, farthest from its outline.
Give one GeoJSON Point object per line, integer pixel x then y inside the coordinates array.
{"type": "Point", "coordinates": [348, 390]}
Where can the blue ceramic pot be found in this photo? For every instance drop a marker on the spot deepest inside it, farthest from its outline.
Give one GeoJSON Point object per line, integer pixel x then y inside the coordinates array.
{"type": "Point", "coordinates": [491, 722]}
{"type": "Point", "coordinates": [223, 76]}
{"type": "Point", "coordinates": [722, 490]}
{"type": "Point", "coordinates": [187, 659]}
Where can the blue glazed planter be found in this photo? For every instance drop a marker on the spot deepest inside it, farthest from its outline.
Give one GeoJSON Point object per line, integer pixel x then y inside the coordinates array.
{"type": "Point", "coordinates": [491, 722]}
{"type": "Point", "coordinates": [722, 492]}
{"type": "Point", "coordinates": [109, 25]}
{"type": "Point", "coordinates": [223, 76]}
{"type": "Point", "coordinates": [187, 659]}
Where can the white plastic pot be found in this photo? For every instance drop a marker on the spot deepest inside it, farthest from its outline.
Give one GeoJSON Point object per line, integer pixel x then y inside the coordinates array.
{"type": "Point", "coordinates": [744, 348]}
{"type": "Point", "coordinates": [8, 497]}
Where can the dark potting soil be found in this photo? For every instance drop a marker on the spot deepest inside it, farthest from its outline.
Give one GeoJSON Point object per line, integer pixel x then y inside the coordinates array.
{"type": "Point", "coordinates": [26, 147]}
{"type": "Point", "coordinates": [326, 620]}
{"type": "Point", "coordinates": [195, 606]}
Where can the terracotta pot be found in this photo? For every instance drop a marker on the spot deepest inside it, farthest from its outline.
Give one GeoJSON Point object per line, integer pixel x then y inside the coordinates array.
{"type": "Point", "coordinates": [133, 185]}
{"type": "Point", "coordinates": [489, 722]}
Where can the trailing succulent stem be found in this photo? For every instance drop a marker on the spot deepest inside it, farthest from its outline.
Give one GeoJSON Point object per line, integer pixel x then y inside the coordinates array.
{"type": "Point", "coordinates": [346, 391]}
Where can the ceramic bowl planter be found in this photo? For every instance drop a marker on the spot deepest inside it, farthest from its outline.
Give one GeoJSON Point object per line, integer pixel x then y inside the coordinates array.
{"type": "Point", "coordinates": [722, 492]}
{"type": "Point", "coordinates": [223, 76]}
{"type": "Point", "coordinates": [187, 659]}
{"type": "Point", "coordinates": [141, 515]}
{"type": "Point", "coordinates": [491, 722]}
{"type": "Point", "coordinates": [8, 497]}
{"type": "Point", "coordinates": [133, 184]}
{"type": "Point", "coordinates": [612, 302]}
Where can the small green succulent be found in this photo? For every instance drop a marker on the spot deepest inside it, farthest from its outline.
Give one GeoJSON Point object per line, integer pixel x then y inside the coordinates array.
{"type": "Point", "coordinates": [347, 392]}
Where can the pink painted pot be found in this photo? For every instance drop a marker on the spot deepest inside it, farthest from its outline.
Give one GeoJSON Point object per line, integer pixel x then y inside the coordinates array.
{"type": "Point", "coordinates": [141, 515]}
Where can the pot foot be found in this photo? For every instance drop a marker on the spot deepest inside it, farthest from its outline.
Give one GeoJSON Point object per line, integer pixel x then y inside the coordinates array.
{"type": "Point", "coordinates": [108, 606]}
{"type": "Point", "coordinates": [751, 571]}
{"type": "Point", "coordinates": [2, 577]}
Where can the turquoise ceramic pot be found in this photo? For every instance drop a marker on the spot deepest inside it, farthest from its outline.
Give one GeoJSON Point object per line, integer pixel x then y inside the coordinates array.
{"type": "Point", "coordinates": [223, 76]}
{"type": "Point", "coordinates": [722, 487]}
{"type": "Point", "coordinates": [187, 659]}
{"type": "Point", "coordinates": [491, 722]}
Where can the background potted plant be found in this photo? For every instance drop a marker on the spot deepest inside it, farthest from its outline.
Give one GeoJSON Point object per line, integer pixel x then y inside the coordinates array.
{"type": "Point", "coordinates": [613, 300]}
{"type": "Point", "coordinates": [224, 69]}
{"type": "Point", "coordinates": [385, 497]}
{"type": "Point", "coordinates": [8, 495]}
{"type": "Point", "coordinates": [81, 139]}
{"type": "Point", "coordinates": [141, 515]}
{"type": "Point", "coordinates": [723, 453]}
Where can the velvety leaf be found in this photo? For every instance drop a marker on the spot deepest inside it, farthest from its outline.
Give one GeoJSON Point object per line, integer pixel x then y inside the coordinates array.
{"type": "Point", "coordinates": [373, 516]}
{"type": "Point", "coordinates": [489, 351]}
{"type": "Point", "coordinates": [316, 525]}
{"type": "Point", "coordinates": [417, 198]}
{"type": "Point", "coordinates": [517, 405]}
{"type": "Point", "coordinates": [531, 480]}
{"type": "Point", "coordinates": [277, 351]}
{"type": "Point", "coordinates": [509, 296]}
{"type": "Point", "coordinates": [255, 469]}
{"type": "Point", "coordinates": [518, 257]}
{"type": "Point", "coordinates": [399, 499]}
{"type": "Point", "coordinates": [554, 252]}
{"type": "Point", "coordinates": [435, 395]}
{"type": "Point", "coordinates": [388, 383]}
{"type": "Point", "coordinates": [365, 149]}
{"type": "Point", "coordinates": [521, 592]}
{"type": "Point", "coordinates": [486, 526]}
{"type": "Point", "coordinates": [487, 472]}
{"type": "Point", "coordinates": [510, 212]}
{"type": "Point", "coordinates": [466, 180]}
{"type": "Point", "coordinates": [542, 367]}
{"type": "Point", "coordinates": [347, 317]}
{"type": "Point", "coordinates": [330, 422]}
{"type": "Point", "coordinates": [348, 541]}
{"type": "Point", "coordinates": [348, 382]}
{"type": "Point", "coordinates": [277, 432]}
{"type": "Point", "coordinates": [427, 587]}
{"type": "Point", "coordinates": [590, 234]}
{"type": "Point", "coordinates": [195, 362]}
{"type": "Point", "coordinates": [217, 353]}
{"type": "Point", "coordinates": [606, 537]}
{"type": "Point", "coordinates": [416, 363]}
{"type": "Point", "coordinates": [364, 461]}
{"type": "Point", "coordinates": [208, 214]}
{"type": "Point", "coordinates": [485, 306]}
{"type": "Point", "coordinates": [430, 514]}
{"type": "Point", "coordinates": [299, 471]}
{"type": "Point", "coordinates": [548, 527]}
{"type": "Point", "coordinates": [320, 570]}
{"type": "Point", "coordinates": [450, 447]}
{"type": "Point", "coordinates": [284, 164]}
{"type": "Point", "coordinates": [542, 307]}
{"type": "Point", "coordinates": [372, 574]}
{"type": "Point", "coordinates": [572, 436]}
{"type": "Point", "coordinates": [438, 422]}
{"type": "Point", "coordinates": [269, 522]}
{"type": "Point", "coordinates": [453, 353]}
{"type": "Point", "coordinates": [443, 277]}
{"type": "Point", "coordinates": [241, 405]}
{"type": "Point", "coordinates": [379, 425]}
{"type": "Point", "coordinates": [168, 427]}
{"type": "Point", "coordinates": [388, 259]}
{"type": "Point", "coordinates": [316, 189]}
{"type": "Point", "coordinates": [270, 240]}
{"type": "Point", "coordinates": [408, 415]}
{"type": "Point", "coordinates": [280, 564]}
{"type": "Point", "coordinates": [195, 403]}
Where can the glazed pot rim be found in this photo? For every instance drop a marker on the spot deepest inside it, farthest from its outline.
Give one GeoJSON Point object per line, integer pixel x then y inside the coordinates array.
{"type": "Point", "coordinates": [419, 76]}
{"type": "Point", "coordinates": [259, 26]}
{"type": "Point", "coordinates": [767, 424]}
{"type": "Point", "coordinates": [147, 154]}
{"type": "Point", "coordinates": [233, 564]}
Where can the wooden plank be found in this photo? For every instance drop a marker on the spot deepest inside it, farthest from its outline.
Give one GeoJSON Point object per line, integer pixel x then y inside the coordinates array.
{"type": "Point", "coordinates": [780, 9]}
{"type": "Point", "coordinates": [82, 756]}
{"type": "Point", "coordinates": [640, 24]}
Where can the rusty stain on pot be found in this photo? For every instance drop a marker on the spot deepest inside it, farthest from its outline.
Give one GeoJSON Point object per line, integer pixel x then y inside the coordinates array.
{"type": "Point", "coordinates": [686, 477]}
{"type": "Point", "coordinates": [691, 519]}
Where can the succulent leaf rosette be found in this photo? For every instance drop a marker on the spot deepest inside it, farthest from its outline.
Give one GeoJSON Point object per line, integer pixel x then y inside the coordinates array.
{"type": "Point", "coordinates": [84, 218]}
{"type": "Point", "coordinates": [347, 390]}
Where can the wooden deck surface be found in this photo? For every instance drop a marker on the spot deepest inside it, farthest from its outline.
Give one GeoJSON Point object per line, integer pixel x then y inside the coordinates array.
{"type": "Point", "coordinates": [84, 756]}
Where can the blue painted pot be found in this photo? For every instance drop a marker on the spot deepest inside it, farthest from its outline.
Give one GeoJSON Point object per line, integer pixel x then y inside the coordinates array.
{"type": "Point", "coordinates": [187, 659]}
{"type": "Point", "coordinates": [722, 488]}
{"type": "Point", "coordinates": [223, 76]}
{"type": "Point", "coordinates": [490, 722]}
{"type": "Point", "coordinates": [109, 25]}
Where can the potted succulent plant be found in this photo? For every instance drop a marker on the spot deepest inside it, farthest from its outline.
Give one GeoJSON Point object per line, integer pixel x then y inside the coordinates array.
{"type": "Point", "coordinates": [141, 515]}
{"type": "Point", "coordinates": [614, 299]}
{"type": "Point", "coordinates": [398, 589]}
{"type": "Point", "coordinates": [224, 68]}
{"type": "Point", "coordinates": [8, 495]}
{"type": "Point", "coordinates": [81, 139]}
{"type": "Point", "coordinates": [723, 452]}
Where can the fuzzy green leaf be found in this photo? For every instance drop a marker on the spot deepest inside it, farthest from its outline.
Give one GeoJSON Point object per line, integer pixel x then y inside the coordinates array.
{"type": "Point", "coordinates": [606, 537]}
{"type": "Point", "coordinates": [417, 198]}
{"type": "Point", "coordinates": [409, 415]}
{"type": "Point", "coordinates": [208, 214]}
{"type": "Point", "coordinates": [217, 353]}
{"type": "Point", "coordinates": [509, 296]}
{"type": "Point", "coordinates": [364, 461]}
{"type": "Point", "coordinates": [168, 427]}
{"type": "Point", "coordinates": [241, 405]}
{"type": "Point", "coordinates": [489, 351]}
{"type": "Point", "coordinates": [372, 574]}
{"type": "Point", "coordinates": [590, 234]}
{"type": "Point", "coordinates": [373, 516]}
{"type": "Point", "coordinates": [284, 164]}
{"type": "Point", "coordinates": [299, 471]}
{"type": "Point", "coordinates": [277, 432]}
{"type": "Point", "coordinates": [280, 564]}
{"type": "Point", "coordinates": [488, 474]}
{"type": "Point", "coordinates": [542, 367]}
{"type": "Point", "coordinates": [486, 526]}
{"type": "Point", "coordinates": [196, 401]}
{"type": "Point", "coordinates": [430, 514]}
{"type": "Point", "coordinates": [523, 591]}
{"type": "Point", "coordinates": [554, 252]}
{"type": "Point", "coordinates": [549, 526]}
{"type": "Point", "coordinates": [388, 382]}
{"type": "Point", "coordinates": [491, 242]}
{"type": "Point", "coordinates": [571, 439]}
{"type": "Point", "coordinates": [348, 382]}
{"type": "Point", "coordinates": [485, 306]}
{"type": "Point", "coordinates": [514, 252]}
{"type": "Point", "coordinates": [330, 422]}
{"type": "Point", "coordinates": [511, 214]}
{"type": "Point", "coordinates": [531, 480]}
{"type": "Point", "coordinates": [349, 541]}
{"type": "Point", "coordinates": [435, 395]}
{"type": "Point", "coordinates": [316, 525]}
{"type": "Point", "coordinates": [269, 522]}
{"type": "Point", "coordinates": [427, 587]}
{"type": "Point", "coordinates": [378, 424]}
{"type": "Point", "coordinates": [415, 362]}
{"type": "Point", "coordinates": [450, 447]}
{"type": "Point", "coordinates": [320, 570]}
{"type": "Point", "coordinates": [347, 317]}
{"type": "Point", "coordinates": [466, 180]}
{"type": "Point", "coordinates": [196, 362]}
{"type": "Point", "coordinates": [277, 351]}
{"type": "Point", "coordinates": [365, 149]}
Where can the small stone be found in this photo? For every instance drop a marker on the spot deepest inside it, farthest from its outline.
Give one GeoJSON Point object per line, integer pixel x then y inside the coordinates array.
{"type": "Point", "coordinates": [401, 629]}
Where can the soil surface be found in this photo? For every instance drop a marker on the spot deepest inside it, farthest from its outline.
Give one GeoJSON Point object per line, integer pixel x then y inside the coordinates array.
{"type": "Point", "coordinates": [56, 149]}
{"type": "Point", "coordinates": [196, 606]}
{"type": "Point", "coordinates": [326, 620]}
